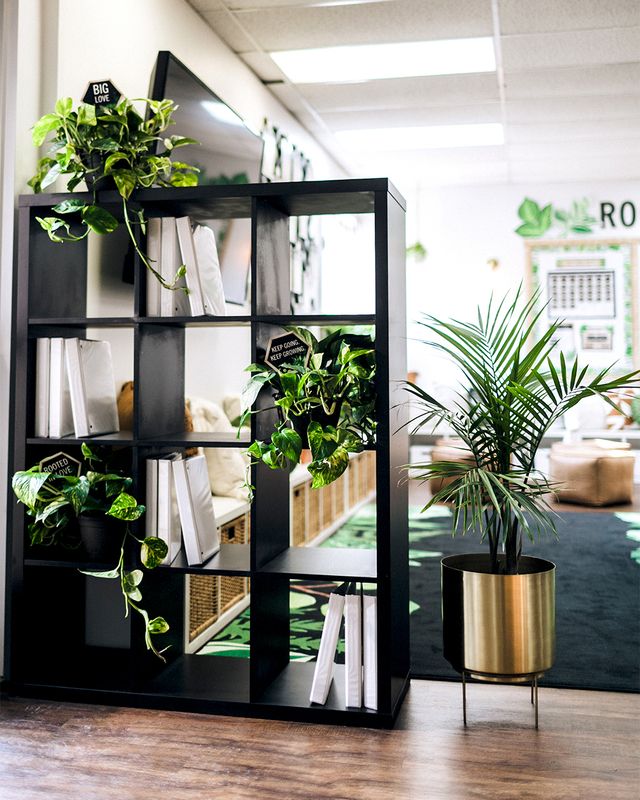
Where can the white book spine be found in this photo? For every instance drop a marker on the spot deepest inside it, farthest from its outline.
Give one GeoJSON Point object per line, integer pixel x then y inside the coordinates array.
{"type": "Point", "coordinates": [78, 398]}
{"type": "Point", "coordinates": [323, 673]}
{"type": "Point", "coordinates": [187, 520]}
{"type": "Point", "coordinates": [168, 515]}
{"type": "Point", "coordinates": [151, 515]}
{"type": "Point", "coordinates": [353, 650]}
{"type": "Point", "coordinates": [43, 349]}
{"type": "Point", "coordinates": [370, 650]}
{"type": "Point", "coordinates": [60, 415]}
{"type": "Point", "coordinates": [202, 505]}
{"type": "Point", "coordinates": [187, 249]}
{"type": "Point", "coordinates": [154, 254]}
{"type": "Point", "coordinates": [169, 264]}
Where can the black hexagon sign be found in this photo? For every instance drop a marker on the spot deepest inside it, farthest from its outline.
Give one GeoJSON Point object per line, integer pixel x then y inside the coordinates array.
{"type": "Point", "coordinates": [101, 93]}
{"type": "Point", "coordinates": [61, 464]}
{"type": "Point", "coordinates": [288, 348]}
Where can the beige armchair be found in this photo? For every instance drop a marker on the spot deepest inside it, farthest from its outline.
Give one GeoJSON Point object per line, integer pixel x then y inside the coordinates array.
{"type": "Point", "coordinates": [594, 472]}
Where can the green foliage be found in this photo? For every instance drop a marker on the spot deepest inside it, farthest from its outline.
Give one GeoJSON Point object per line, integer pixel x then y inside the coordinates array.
{"type": "Point", "coordinates": [95, 145]}
{"type": "Point", "coordinates": [515, 394]}
{"type": "Point", "coordinates": [327, 407]}
{"type": "Point", "coordinates": [577, 219]}
{"type": "Point", "coordinates": [536, 221]}
{"type": "Point", "coordinates": [53, 501]}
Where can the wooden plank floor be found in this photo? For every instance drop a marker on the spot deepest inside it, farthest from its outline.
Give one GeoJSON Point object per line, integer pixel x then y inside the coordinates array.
{"type": "Point", "coordinates": [586, 748]}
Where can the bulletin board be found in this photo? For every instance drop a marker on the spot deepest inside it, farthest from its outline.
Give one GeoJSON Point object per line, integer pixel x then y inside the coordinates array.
{"type": "Point", "coordinates": [591, 285]}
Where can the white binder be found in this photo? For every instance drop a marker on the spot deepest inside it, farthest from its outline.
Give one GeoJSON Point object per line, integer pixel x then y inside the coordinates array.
{"type": "Point", "coordinates": [187, 249]}
{"type": "Point", "coordinates": [154, 254]}
{"type": "Point", "coordinates": [370, 650]}
{"type": "Point", "coordinates": [60, 412]}
{"type": "Point", "coordinates": [209, 270]}
{"type": "Point", "coordinates": [92, 386]}
{"type": "Point", "coordinates": [43, 348]}
{"type": "Point", "coordinates": [353, 650]}
{"type": "Point", "coordinates": [195, 505]}
{"type": "Point", "coordinates": [323, 673]}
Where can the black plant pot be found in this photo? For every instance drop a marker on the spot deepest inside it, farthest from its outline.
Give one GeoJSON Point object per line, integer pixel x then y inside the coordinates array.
{"type": "Point", "coordinates": [101, 537]}
{"type": "Point", "coordinates": [95, 180]}
{"type": "Point", "coordinates": [300, 424]}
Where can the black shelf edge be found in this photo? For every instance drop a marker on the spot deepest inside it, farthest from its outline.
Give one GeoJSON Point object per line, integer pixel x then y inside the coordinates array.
{"type": "Point", "coordinates": [346, 195]}
{"type": "Point", "coordinates": [232, 559]}
{"type": "Point", "coordinates": [316, 319]}
{"type": "Point", "coordinates": [82, 322]}
{"type": "Point", "coordinates": [197, 322]}
{"type": "Point", "coordinates": [290, 690]}
{"type": "Point", "coordinates": [111, 675]}
{"type": "Point", "coordinates": [324, 563]}
{"type": "Point", "coordinates": [121, 437]}
{"type": "Point", "coordinates": [197, 439]}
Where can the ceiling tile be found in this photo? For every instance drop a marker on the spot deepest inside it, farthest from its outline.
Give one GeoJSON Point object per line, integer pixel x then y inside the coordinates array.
{"type": "Point", "coordinates": [570, 48]}
{"type": "Point", "coordinates": [263, 66]}
{"type": "Point", "coordinates": [559, 151]}
{"type": "Point", "coordinates": [580, 169]}
{"type": "Point", "coordinates": [395, 117]}
{"type": "Point", "coordinates": [205, 5]}
{"type": "Point", "coordinates": [226, 27]}
{"type": "Point", "coordinates": [441, 90]}
{"type": "Point", "coordinates": [261, 5]}
{"type": "Point", "coordinates": [624, 128]}
{"type": "Point", "coordinates": [574, 81]}
{"type": "Point", "coordinates": [295, 28]}
{"type": "Point", "coordinates": [550, 15]}
{"type": "Point", "coordinates": [567, 109]}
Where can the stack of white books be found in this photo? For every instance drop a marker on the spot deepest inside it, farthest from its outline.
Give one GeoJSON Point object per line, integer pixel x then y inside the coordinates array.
{"type": "Point", "coordinates": [180, 507]}
{"type": "Point", "coordinates": [360, 649]}
{"type": "Point", "coordinates": [75, 388]}
{"type": "Point", "coordinates": [171, 243]}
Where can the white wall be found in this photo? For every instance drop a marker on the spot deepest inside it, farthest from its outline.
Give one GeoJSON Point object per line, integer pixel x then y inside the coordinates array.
{"type": "Point", "coordinates": [462, 229]}
{"type": "Point", "coordinates": [61, 46]}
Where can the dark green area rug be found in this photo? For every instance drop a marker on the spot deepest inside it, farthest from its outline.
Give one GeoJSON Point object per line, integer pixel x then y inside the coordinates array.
{"type": "Point", "coordinates": [597, 598]}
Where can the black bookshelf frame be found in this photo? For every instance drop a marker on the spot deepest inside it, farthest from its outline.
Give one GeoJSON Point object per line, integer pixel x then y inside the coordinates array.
{"type": "Point", "coordinates": [58, 659]}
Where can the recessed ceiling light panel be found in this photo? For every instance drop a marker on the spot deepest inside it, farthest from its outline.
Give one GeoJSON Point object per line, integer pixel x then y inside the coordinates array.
{"type": "Point", "coordinates": [369, 62]}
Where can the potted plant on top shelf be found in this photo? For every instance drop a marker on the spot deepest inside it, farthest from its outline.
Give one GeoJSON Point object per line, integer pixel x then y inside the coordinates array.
{"type": "Point", "coordinates": [107, 147]}
{"type": "Point", "coordinates": [90, 513]}
{"type": "Point", "coordinates": [498, 607]}
{"type": "Point", "coordinates": [325, 403]}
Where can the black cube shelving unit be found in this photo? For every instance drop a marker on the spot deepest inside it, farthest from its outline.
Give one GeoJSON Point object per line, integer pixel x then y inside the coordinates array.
{"type": "Point", "coordinates": [53, 648]}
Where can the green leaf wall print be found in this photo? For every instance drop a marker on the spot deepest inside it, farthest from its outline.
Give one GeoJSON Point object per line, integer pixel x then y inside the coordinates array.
{"type": "Point", "coordinates": [536, 221]}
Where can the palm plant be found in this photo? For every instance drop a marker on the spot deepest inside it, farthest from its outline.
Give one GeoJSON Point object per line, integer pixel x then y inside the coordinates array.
{"type": "Point", "coordinates": [516, 392]}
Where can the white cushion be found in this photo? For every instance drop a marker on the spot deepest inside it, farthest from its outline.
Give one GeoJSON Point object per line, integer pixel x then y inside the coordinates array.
{"type": "Point", "coordinates": [226, 465]}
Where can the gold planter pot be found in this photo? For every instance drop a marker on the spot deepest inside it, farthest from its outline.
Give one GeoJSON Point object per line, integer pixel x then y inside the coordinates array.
{"type": "Point", "coordinates": [498, 627]}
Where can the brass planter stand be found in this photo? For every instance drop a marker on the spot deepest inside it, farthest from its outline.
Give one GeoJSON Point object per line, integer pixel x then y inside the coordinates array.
{"type": "Point", "coordinates": [498, 628]}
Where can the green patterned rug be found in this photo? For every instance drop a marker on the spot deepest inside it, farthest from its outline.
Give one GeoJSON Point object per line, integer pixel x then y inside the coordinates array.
{"type": "Point", "coordinates": [597, 597]}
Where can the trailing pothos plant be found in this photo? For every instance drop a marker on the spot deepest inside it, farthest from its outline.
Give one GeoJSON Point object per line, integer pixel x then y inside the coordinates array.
{"type": "Point", "coordinates": [326, 406]}
{"type": "Point", "coordinates": [102, 145]}
{"type": "Point", "coordinates": [54, 501]}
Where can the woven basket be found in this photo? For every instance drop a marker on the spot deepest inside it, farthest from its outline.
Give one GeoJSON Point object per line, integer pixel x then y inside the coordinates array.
{"type": "Point", "coordinates": [313, 512]}
{"type": "Point", "coordinates": [327, 494]}
{"type": "Point", "coordinates": [298, 515]}
{"type": "Point", "coordinates": [353, 476]}
{"type": "Point", "coordinates": [204, 603]}
{"type": "Point", "coordinates": [339, 492]}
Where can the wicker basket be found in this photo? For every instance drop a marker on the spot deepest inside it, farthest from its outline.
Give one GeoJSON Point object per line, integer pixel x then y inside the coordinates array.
{"type": "Point", "coordinates": [299, 515]}
{"type": "Point", "coordinates": [353, 475]}
{"type": "Point", "coordinates": [327, 494]}
{"type": "Point", "coordinates": [313, 512]}
{"type": "Point", "coordinates": [204, 603]}
{"type": "Point", "coordinates": [232, 590]}
{"type": "Point", "coordinates": [339, 492]}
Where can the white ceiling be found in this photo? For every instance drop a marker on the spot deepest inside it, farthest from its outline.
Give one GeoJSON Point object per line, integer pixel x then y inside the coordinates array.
{"type": "Point", "coordinates": [567, 88]}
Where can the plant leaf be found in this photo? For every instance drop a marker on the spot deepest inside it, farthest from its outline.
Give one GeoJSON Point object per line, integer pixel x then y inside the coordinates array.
{"type": "Point", "coordinates": [153, 551]}
{"type": "Point", "coordinates": [99, 219]}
